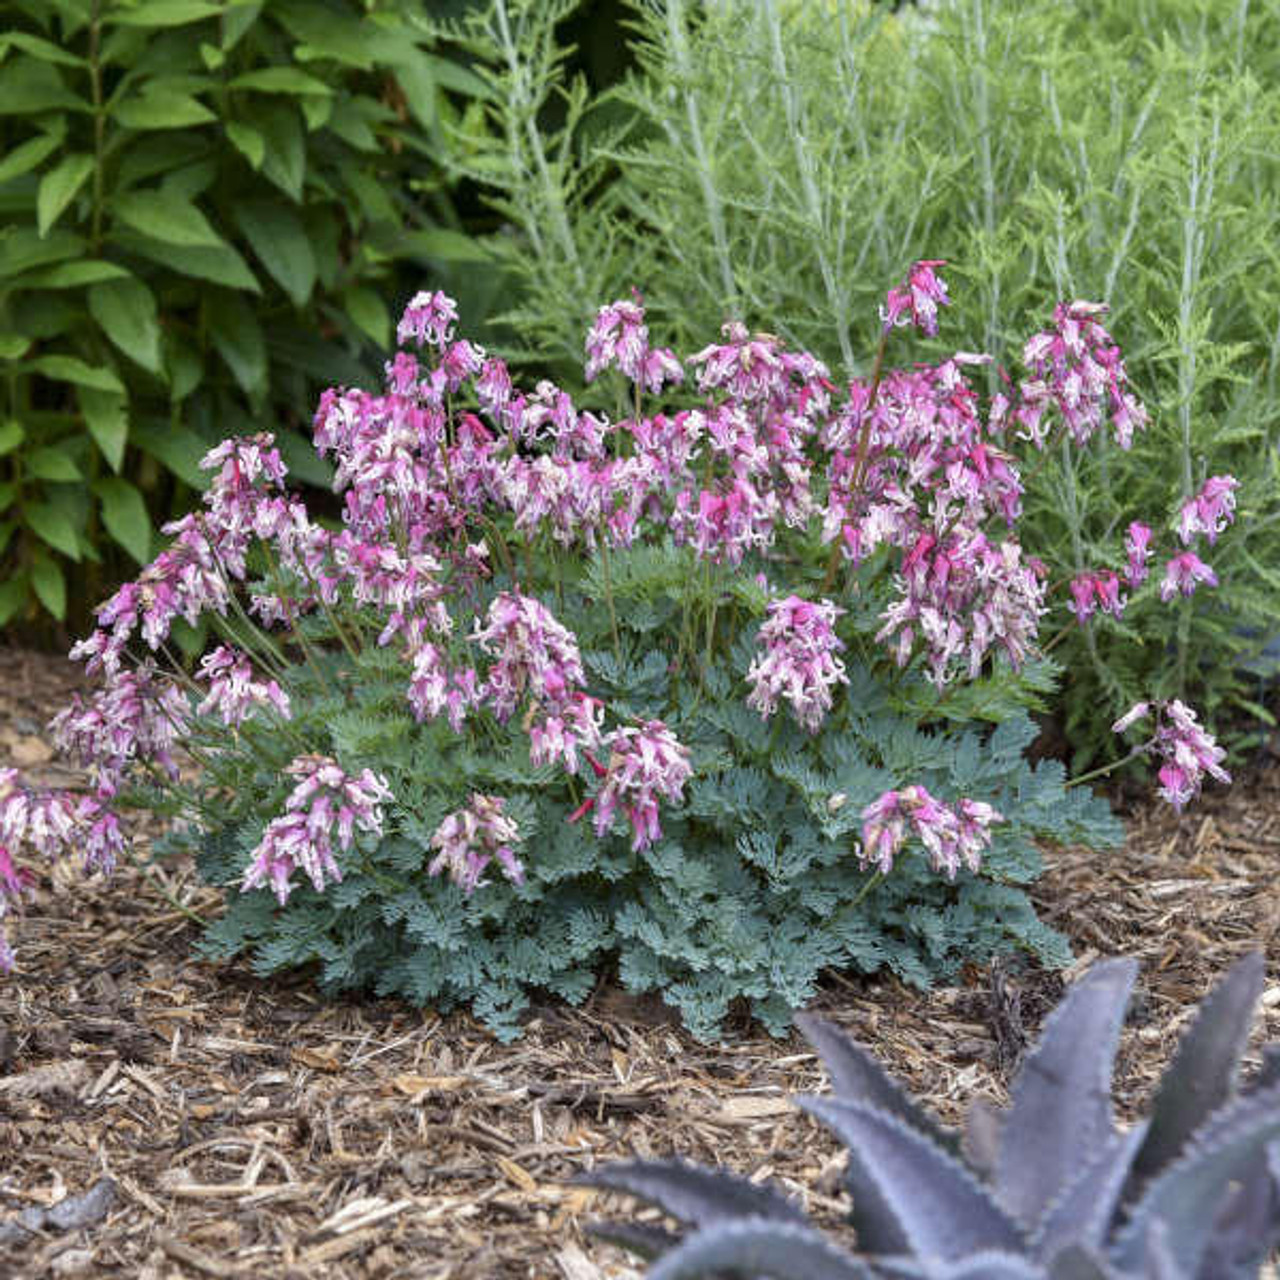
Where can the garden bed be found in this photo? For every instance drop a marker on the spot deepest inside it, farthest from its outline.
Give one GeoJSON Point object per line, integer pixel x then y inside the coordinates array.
{"type": "Point", "coordinates": [251, 1129]}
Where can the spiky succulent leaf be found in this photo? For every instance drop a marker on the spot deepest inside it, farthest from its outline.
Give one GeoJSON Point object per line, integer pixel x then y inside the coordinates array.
{"type": "Point", "coordinates": [1060, 1112]}
{"type": "Point", "coordinates": [759, 1247]}
{"type": "Point", "coordinates": [1246, 1225]}
{"type": "Point", "coordinates": [1230, 1147]}
{"type": "Point", "coordinates": [1082, 1215]}
{"type": "Point", "coordinates": [930, 1202]}
{"type": "Point", "coordinates": [856, 1076]}
{"type": "Point", "coordinates": [1203, 1073]}
{"type": "Point", "coordinates": [693, 1194]}
{"type": "Point", "coordinates": [981, 1144]}
{"type": "Point", "coordinates": [988, 1265]}
{"type": "Point", "coordinates": [644, 1239]}
{"type": "Point", "coordinates": [1078, 1263]}
{"type": "Point", "coordinates": [1269, 1072]}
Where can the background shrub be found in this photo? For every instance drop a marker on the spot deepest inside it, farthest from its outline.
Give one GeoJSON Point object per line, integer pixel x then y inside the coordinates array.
{"type": "Point", "coordinates": [776, 162]}
{"type": "Point", "coordinates": [207, 211]}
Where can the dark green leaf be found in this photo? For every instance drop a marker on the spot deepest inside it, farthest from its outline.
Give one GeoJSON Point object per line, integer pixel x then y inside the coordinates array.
{"type": "Point", "coordinates": [166, 217]}
{"type": "Point", "coordinates": [278, 237]}
{"type": "Point", "coordinates": [26, 155]}
{"type": "Point", "coordinates": [369, 313]}
{"type": "Point", "coordinates": [237, 335]}
{"type": "Point", "coordinates": [280, 80]}
{"type": "Point", "coordinates": [125, 516]}
{"type": "Point", "coordinates": [161, 109]}
{"type": "Point", "coordinates": [50, 585]}
{"type": "Point", "coordinates": [248, 141]}
{"type": "Point", "coordinates": [164, 13]}
{"type": "Point", "coordinates": [51, 464]}
{"type": "Point", "coordinates": [286, 159]}
{"type": "Point", "coordinates": [71, 275]}
{"type": "Point", "coordinates": [237, 19]}
{"type": "Point", "coordinates": [14, 345]}
{"type": "Point", "coordinates": [186, 368]}
{"type": "Point", "coordinates": [73, 369]}
{"type": "Point", "coordinates": [50, 524]}
{"type": "Point", "coordinates": [28, 86]}
{"type": "Point", "coordinates": [58, 188]}
{"type": "Point", "coordinates": [176, 446]}
{"type": "Point", "coordinates": [37, 47]}
{"type": "Point", "coordinates": [12, 434]}
{"type": "Point", "coordinates": [22, 249]}
{"type": "Point", "coordinates": [106, 414]}
{"type": "Point", "coordinates": [126, 312]}
{"type": "Point", "coordinates": [13, 595]}
{"type": "Point", "coordinates": [444, 245]}
{"type": "Point", "coordinates": [222, 265]}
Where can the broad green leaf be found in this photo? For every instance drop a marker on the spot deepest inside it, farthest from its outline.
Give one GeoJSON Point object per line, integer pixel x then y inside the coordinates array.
{"type": "Point", "coordinates": [126, 312]}
{"type": "Point", "coordinates": [165, 217]}
{"type": "Point", "coordinates": [8, 492]}
{"type": "Point", "coordinates": [106, 414]}
{"type": "Point", "coordinates": [73, 369]}
{"type": "Point", "coordinates": [28, 87]}
{"type": "Point", "coordinates": [13, 595]}
{"type": "Point", "coordinates": [280, 80]}
{"type": "Point", "coordinates": [12, 434]}
{"type": "Point", "coordinates": [26, 155]}
{"type": "Point", "coordinates": [237, 19]}
{"type": "Point", "coordinates": [444, 244]}
{"type": "Point", "coordinates": [418, 82]}
{"type": "Point", "coordinates": [125, 515]}
{"type": "Point", "coordinates": [248, 141]}
{"type": "Point", "coordinates": [286, 159]}
{"type": "Point", "coordinates": [40, 48]}
{"type": "Point", "coordinates": [51, 464]}
{"type": "Point", "coordinates": [50, 525]}
{"type": "Point", "coordinates": [22, 249]}
{"type": "Point", "coordinates": [71, 275]}
{"type": "Point", "coordinates": [222, 265]}
{"type": "Point", "coordinates": [186, 368]}
{"type": "Point", "coordinates": [50, 585]}
{"type": "Point", "coordinates": [176, 446]}
{"type": "Point", "coordinates": [369, 313]}
{"type": "Point", "coordinates": [13, 345]}
{"type": "Point", "coordinates": [164, 13]}
{"type": "Point", "coordinates": [161, 109]}
{"type": "Point", "coordinates": [316, 112]}
{"type": "Point", "coordinates": [277, 236]}
{"type": "Point", "coordinates": [211, 56]}
{"type": "Point", "coordinates": [454, 76]}
{"type": "Point", "coordinates": [352, 124]}
{"type": "Point", "coordinates": [58, 188]}
{"type": "Point", "coordinates": [237, 335]}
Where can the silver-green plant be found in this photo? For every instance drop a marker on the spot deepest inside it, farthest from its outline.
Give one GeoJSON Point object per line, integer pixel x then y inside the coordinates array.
{"type": "Point", "coordinates": [772, 160]}
{"type": "Point", "coordinates": [1048, 1189]}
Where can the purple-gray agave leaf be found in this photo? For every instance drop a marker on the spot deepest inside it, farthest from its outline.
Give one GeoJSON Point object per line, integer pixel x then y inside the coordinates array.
{"type": "Point", "coordinates": [759, 1247]}
{"type": "Point", "coordinates": [937, 1205]}
{"type": "Point", "coordinates": [1060, 1113]}
{"type": "Point", "coordinates": [1203, 1073]}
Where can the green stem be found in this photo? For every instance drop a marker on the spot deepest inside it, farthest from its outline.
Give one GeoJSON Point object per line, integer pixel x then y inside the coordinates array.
{"type": "Point", "coordinates": [1105, 769]}
{"type": "Point", "coordinates": [162, 889]}
{"type": "Point", "coordinates": [608, 591]}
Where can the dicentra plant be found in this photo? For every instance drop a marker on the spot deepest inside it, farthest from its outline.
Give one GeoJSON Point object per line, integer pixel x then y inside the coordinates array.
{"type": "Point", "coordinates": [781, 159]}
{"type": "Point", "coordinates": [724, 690]}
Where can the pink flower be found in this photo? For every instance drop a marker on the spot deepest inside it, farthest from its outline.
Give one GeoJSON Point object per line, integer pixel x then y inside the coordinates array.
{"type": "Point", "coordinates": [1210, 511]}
{"type": "Point", "coordinates": [918, 300]}
{"type": "Point", "coordinates": [233, 692]}
{"type": "Point", "coordinates": [1183, 573]}
{"type": "Point", "coordinates": [325, 802]}
{"type": "Point", "coordinates": [558, 736]}
{"type": "Point", "coordinates": [951, 835]}
{"type": "Point", "coordinates": [429, 318]}
{"type": "Point", "coordinates": [799, 662]}
{"type": "Point", "coordinates": [535, 655]}
{"type": "Point", "coordinates": [644, 763]}
{"type": "Point", "coordinates": [1186, 750]}
{"type": "Point", "coordinates": [1137, 545]}
{"type": "Point", "coordinates": [469, 839]}
{"type": "Point", "coordinates": [1092, 591]}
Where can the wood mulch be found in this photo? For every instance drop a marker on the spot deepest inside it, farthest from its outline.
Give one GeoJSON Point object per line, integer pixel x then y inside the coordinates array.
{"type": "Point", "coordinates": [249, 1129]}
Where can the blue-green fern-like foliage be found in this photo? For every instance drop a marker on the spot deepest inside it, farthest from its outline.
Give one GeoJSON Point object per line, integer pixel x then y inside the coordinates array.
{"type": "Point", "coordinates": [1048, 1189]}
{"type": "Point", "coordinates": [754, 888]}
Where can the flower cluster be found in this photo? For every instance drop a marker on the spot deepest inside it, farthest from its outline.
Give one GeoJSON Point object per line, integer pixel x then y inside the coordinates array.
{"type": "Point", "coordinates": [1186, 750]}
{"type": "Point", "coordinates": [799, 662]}
{"type": "Point", "coordinates": [951, 834]}
{"type": "Point", "coordinates": [325, 799]}
{"type": "Point", "coordinates": [620, 338]}
{"type": "Point", "coordinates": [918, 300]}
{"type": "Point", "coordinates": [233, 692]}
{"type": "Point", "coordinates": [14, 881]}
{"type": "Point", "coordinates": [644, 763]}
{"type": "Point", "coordinates": [471, 838]}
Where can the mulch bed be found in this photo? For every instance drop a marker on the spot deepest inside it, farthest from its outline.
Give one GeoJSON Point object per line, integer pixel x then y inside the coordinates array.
{"type": "Point", "coordinates": [252, 1130]}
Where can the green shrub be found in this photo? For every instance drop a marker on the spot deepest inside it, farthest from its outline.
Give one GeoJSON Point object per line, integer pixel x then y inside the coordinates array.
{"type": "Point", "coordinates": [774, 161]}
{"type": "Point", "coordinates": [205, 211]}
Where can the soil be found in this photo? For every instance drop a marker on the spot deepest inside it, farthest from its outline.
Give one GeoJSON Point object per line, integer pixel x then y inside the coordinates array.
{"type": "Point", "coordinates": [164, 1117]}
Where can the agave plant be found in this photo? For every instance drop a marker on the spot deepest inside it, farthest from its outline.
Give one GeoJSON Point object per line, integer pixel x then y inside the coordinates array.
{"type": "Point", "coordinates": [1047, 1189]}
